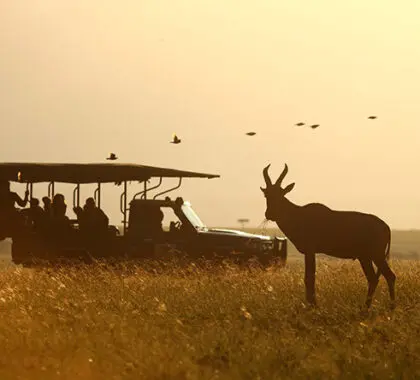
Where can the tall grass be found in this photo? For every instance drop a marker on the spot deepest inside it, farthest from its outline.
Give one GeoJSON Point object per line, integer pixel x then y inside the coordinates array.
{"type": "Point", "coordinates": [191, 322]}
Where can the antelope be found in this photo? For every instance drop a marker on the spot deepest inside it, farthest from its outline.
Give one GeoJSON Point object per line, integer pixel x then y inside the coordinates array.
{"type": "Point", "coordinates": [315, 228]}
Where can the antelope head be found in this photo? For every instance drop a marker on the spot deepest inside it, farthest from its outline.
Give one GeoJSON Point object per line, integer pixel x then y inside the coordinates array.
{"type": "Point", "coordinates": [275, 193]}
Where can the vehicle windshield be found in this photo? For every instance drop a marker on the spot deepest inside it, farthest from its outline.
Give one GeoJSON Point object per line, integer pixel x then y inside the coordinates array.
{"type": "Point", "coordinates": [193, 217]}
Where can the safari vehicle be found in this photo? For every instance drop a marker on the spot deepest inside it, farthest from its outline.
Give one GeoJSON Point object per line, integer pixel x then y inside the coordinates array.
{"type": "Point", "coordinates": [141, 235]}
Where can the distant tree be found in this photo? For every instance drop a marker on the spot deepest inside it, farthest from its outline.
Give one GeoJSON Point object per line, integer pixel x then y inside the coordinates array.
{"type": "Point", "coordinates": [242, 222]}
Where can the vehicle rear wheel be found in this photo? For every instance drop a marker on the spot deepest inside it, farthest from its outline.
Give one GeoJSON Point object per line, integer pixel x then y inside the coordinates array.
{"type": "Point", "coordinates": [21, 253]}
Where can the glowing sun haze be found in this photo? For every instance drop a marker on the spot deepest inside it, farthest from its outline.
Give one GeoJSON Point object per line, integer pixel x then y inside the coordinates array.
{"type": "Point", "coordinates": [80, 79]}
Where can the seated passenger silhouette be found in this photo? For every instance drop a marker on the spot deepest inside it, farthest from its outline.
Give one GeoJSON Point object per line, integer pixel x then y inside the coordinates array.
{"type": "Point", "coordinates": [9, 198]}
{"type": "Point", "coordinates": [9, 216]}
{"type": "Point", "coordinates": [57, 225]}
{"type": "Point", "coordinates": [79, 213]}
{"type": "Point", "coordinates": [91, 218]}
{"type": "Point", "coordinates": [34, 215]}
{"type": "Point", "coordinates": [59, 220]}
{"type": "Point", "coordinates": [47, 221]}
{"type": "Point", "coordinates": [47, 205]}
{"type": "Point", "coordinates": [59, 206]}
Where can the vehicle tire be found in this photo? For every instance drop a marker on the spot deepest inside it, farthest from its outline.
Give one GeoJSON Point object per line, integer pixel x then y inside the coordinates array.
{"type": "Point", "coordinates": [20, 253]}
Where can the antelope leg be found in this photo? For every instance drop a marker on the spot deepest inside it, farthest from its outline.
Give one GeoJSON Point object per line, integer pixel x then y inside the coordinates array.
{"type": "Point", "coordinates": [389, 276]}
{"type": "Point", "coordinates": [372, 278]}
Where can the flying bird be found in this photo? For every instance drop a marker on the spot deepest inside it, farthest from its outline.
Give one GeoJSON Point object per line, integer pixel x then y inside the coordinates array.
{"type": "Point", "coordinates": [299, 124]}
{"type": "Point", "coordinates": [372, 117]}
{"type": "Point", "coordinates": [250, 133]}
{"type": "Point", "coordinates": [314, 126]}
{"type": "Point", "coordinates": [175, 139]}
{"type": "Point", "coordinates": [112, 157]}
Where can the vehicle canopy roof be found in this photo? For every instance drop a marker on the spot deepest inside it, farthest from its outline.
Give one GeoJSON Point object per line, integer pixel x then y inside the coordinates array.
{"type": "Point", "coordinates": [89, 172]}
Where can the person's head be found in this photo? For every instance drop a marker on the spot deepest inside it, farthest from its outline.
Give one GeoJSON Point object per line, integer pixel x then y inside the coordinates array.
{"type": "Point", "coordinates": [46, 201]}
{"type": "Point", "coordinates": [90, 203]}
{"type": "Point", "coordinates": [34, 202]}
{"type": "Point", "coordinates": [58, 199]}
{"type": "Point", "coordinates": [59, 204]}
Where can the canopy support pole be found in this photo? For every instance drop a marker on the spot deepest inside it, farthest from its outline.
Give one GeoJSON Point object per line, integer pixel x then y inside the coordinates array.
{"type": "Point", "coordinates": [143, 193]}
{"type": "Point", "coordinates": [123, 207]}
{"type": "Point", "coordinates": [51, 190]}
{"type": "Point", "coordinates": [76, 196]}
{"type": "Point", "coordinates": [29, 187]}
{"type": "Point", "coordinates": [97, 195]}
{"type": "Point", "coordinates": [171, 189]}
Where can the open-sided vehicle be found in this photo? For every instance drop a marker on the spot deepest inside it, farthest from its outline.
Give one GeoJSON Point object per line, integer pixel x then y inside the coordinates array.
{"type": "Point", "coordinates": [142, 234]}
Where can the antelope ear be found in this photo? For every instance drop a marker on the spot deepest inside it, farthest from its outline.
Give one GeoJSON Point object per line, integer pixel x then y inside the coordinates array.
{"type": "Point", "coordinates": [289, 188]}
{"type": "Point", "coordinates": [263, 190]}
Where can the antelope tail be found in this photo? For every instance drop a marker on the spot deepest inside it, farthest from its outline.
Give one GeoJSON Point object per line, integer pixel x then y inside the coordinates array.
{"type": "Point", "coordinates": [388, 248]}
{"type": "Point", "coordinates": [389, 245]}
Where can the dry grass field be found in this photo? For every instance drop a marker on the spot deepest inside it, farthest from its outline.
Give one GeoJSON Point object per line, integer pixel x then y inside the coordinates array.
{"type": "Point", "coordinates": [202, 322]}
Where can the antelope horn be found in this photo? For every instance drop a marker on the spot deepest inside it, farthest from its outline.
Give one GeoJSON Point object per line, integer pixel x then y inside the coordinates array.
{"type": "Point", "coordinates": [282, 175]}
{"type": "Point", "coordinates": [266, 176]}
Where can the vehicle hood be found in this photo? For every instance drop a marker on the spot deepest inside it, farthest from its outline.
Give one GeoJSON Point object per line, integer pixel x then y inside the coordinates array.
{"type": "Point", "coordinates": [239, 234]}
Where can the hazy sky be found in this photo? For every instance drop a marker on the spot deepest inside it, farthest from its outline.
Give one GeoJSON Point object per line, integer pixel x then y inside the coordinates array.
{"type": "Point", "coordinates": [79, 79]}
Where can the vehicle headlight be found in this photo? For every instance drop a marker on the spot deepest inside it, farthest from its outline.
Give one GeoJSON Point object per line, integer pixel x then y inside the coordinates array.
{"type": "Point", "coordinates": [267, 246]}
{"type": "Point", "coordinates": [260, 245]}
